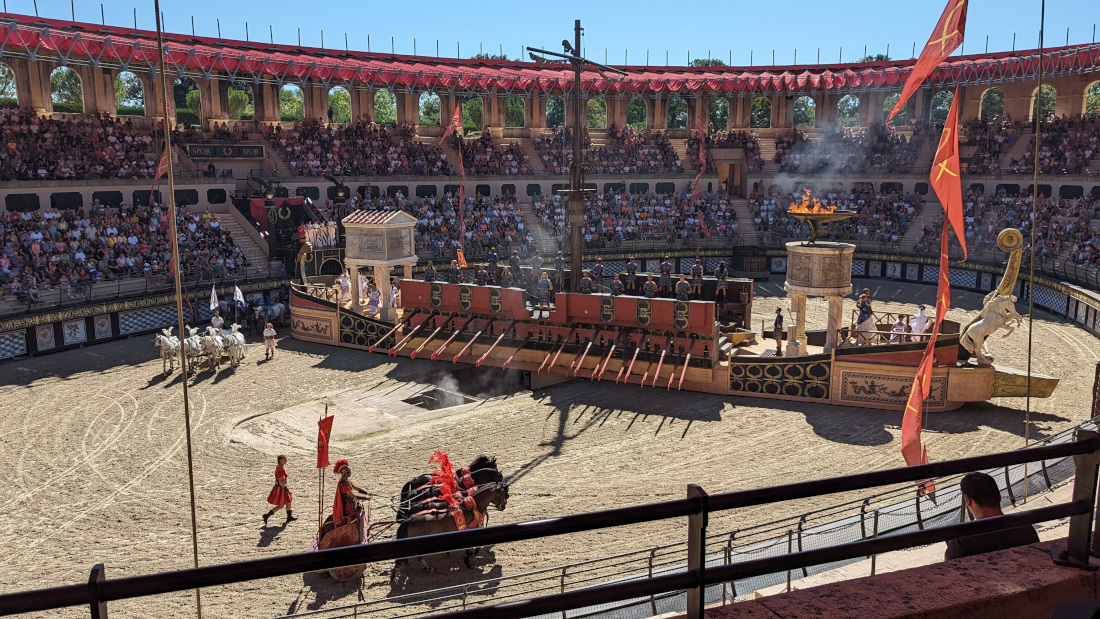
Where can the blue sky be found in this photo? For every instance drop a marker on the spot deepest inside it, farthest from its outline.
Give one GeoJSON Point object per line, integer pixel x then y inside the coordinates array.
{"type": "Point", "coordinates": [631, 27]}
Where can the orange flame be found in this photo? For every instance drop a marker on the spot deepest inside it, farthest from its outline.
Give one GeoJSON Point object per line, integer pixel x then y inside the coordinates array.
{"type": "Point", "coordinates": [811, 205]}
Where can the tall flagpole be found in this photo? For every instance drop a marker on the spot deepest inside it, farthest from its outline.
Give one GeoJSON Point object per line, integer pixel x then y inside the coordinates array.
{"type": "Point", "coordinates": [1038, 116]}
{"type": "Point", "coordinates": [179, 295]}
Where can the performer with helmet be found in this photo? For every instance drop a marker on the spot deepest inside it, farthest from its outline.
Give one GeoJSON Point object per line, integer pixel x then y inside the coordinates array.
{"type": "Point", "coordinates": [345, 507]}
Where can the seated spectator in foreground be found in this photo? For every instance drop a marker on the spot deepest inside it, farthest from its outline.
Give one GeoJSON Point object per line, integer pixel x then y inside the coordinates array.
{"type": "Point", "coordinates": [983, 500]}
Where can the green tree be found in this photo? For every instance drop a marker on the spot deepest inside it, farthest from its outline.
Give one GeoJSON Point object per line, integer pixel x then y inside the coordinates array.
{"type": "Point", "coordinates": [194, 102]}
{"type": "Point", "coordinates": [874, 58]}
{"type": "Point", "coordinates": [941, 106]}
{"type": "Point", "coordinates": [719, 114]}
{"type": "Point", "coordinates": [760, 113]}
{"type": "Point", "coordinates": [596, 114]}
{"type": "Point", "coordinates": [805, 113]}
{"type": "Point", "coordinates": [888, 106]}
{"type": "Point", "coordinates": [1045, 103]}
{"type": "Point", "coordinates": [385, 108]}
{"type": "Point", "coordinates": [471, 115]}
{"type": "Point", "coordinates": [129, 94]}
{"type": "Point", "coordinates": [339, 100]}
{"type": "Point", "coordinates": [706, 62]}
{"type": "Point", "coordinates": [66, 91]}
{"type": "Point", "coordinates": [241, 103]}
{"type": "Point", "coordinates": [677, 113]}
{"type": "Point", "coordinates": [555, 112]}
{"type": "Point", "coordinates": [484, 56]}
{"type": "Point", "coordinates": [847, 111]}
{"type": "Point", "coordinates": [636, 113]}
{"type": "Point", "coordinates": [993, 104]}
{"type": "Point", "coordinates": [9, 96]}
{"type": "Point", "coordinates": [1092, 99]}
{"type": "Point", "coordinates": [514, 108]}
{"type": "Point", "coordinates": [429, 109]}
{"type": "Point", "coordinates": [180, 90]}
{"type": "Point", "coordinates": [290, 103]}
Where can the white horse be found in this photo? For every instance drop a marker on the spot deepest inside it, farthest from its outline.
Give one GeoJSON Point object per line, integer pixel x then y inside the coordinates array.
{"type": "Point", "coordinates": [276, 312]}
{"type": "Point", "coordinates": [169, 347]}
{"type": "Point", "coordinates": [213, 345]}
{"type": "Point", "coordinates": [192, 345]}
{"type": "Point", "coordinates": [235, 344]}
{"type": "Point", "coordinates": [998, 311]}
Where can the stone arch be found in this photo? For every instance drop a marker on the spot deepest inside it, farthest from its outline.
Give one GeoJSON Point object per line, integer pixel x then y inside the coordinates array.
{"type": "Point", "coordinates": [291, 103]}
{"type": "Point", "coordinates": [941, 106]}
{"type": "Point", "coordinates": [473, 114]}
{"type": "Point", "coordinates": [241, 101]}
{"type": "Point", "coordinates": [9, 91]}
{"type": "Point", "coordinates": [992, 104]}
{"type": "Point", "coordinates": [595, 116]}
{"type": "Point", "coordinates": [718, 113]}
{"type": "Point", "coordinates": [188, 101]}
{"type": "Point", "coordinates": [339, 101]}
{"type": "Point", "coordinates": [677, 113]}
{"type": "Point", "coordinates": [1092, 99]}
{"type": "Point", "coordinates": [430, 108]}
{"type": "Point", "coordinates": [66, 91]}
{"type": "Point", "coordinates": [637, 113]}
{"type": "Point", "coordinates": [515, 111]}
{"type": "Point", "coordinates": [555, 111]}
{"type": "Point", "coordinates": [847, 111]}
{"type": "Point", "coordinates": [888, 106]}
{"type": "Point", "coordinates": [1044, 99]}
{"type": "Point", "coordinates": [385, 107]}
{"type": "Point", "coordinates": [805, 112]}
{"type": "Point", "coordinates": [760, 113]}
{"type": "Point", "coordinates": [129, 94]}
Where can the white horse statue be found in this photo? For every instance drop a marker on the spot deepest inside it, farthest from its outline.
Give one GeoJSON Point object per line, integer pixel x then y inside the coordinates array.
{"type": "Point", "coordinates": [998, 311]}
{"type": "Point", "coordinates": [169, 347]}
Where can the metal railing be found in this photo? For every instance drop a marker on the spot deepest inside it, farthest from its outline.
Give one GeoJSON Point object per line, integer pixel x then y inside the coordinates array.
{"type": "Point", "coordinates": [696, 507]}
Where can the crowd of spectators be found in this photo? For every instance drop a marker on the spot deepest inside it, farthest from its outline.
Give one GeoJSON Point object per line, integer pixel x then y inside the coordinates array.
{"type": "Point", "coordinates": [95, 146]}
{"type": "Point", "coordinates": [490, 221]}
{"type": "Point", "coordinates": [990, 140]}
{"type": "Point", "coordinates": [874, 149]}
{"type": "Point", "coordinates": [483, 156]}
{"type": "Point", "coordinates": [556, 150]}
{"type": "Point", "coordinates": [74, 249]}
{"type": "Point", "coordinates": [880, 217]}
{"type": "Point", "coordinates": [745, 140]}
{"type": "Point", "coordinates": [312, 148]}
{"type": "Point", "coordinates": [634, 151]}
{"type": "Point", "coordinates": [1066, 146]}
{"type": "Point", "coordinates": [613, 217]}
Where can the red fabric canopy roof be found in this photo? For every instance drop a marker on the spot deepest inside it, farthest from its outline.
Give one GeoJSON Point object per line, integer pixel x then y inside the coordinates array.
{"type": "Point", "coordinates": [92, 44]}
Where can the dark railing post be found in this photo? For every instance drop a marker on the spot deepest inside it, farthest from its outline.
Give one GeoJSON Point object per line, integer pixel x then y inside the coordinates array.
{"type": "Point", "coordinates": [1080, 540]}
{"type": "Point", "coordinates": [98, 606]}
{"type": "Point", "coordinates": [697, 553]}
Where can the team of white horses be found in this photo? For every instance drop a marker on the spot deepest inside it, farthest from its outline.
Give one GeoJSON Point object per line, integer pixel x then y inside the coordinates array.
{"type": "Point", "coordinates": [205, 349]}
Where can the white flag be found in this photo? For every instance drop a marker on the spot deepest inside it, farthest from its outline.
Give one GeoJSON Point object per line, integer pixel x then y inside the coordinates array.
{"type": "Point", "coordinates": [213, 298]}
{"type": "Point", "coordinates": [238, 296]}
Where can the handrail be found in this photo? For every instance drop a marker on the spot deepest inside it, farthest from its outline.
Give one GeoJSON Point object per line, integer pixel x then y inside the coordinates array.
{"type": "Point", "coordinates": [695, 507]}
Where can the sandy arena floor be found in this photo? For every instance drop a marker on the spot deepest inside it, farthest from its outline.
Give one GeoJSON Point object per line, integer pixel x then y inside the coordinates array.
{"type": "Point", "coordinates": [92, 444]}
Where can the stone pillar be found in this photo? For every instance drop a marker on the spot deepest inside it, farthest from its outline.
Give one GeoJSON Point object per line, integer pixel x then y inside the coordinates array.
{"type": "Point", "coordinates": [797, 332]}
{"type": "Point", "coordinates": [407, 271]}
{"type": "Point", "coordinates": [836, 312]}
{"type": "Point", "coordinates": [265, 103]}
{"type": "Point", "coordinates": [354, 286]}
{"type": "Point", "coordinates": [382, 280]}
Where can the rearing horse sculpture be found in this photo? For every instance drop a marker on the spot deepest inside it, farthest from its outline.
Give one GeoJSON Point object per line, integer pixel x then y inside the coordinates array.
{"type": "Point", "coordinates": [998, 309]}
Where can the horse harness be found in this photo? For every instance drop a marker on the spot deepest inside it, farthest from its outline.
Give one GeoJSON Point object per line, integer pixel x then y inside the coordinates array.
{"type": "Point", "coordinates": [460, 517]}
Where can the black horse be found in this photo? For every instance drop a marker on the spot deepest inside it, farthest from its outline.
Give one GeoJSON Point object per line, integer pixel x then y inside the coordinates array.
{"type": "Point", "coordinates": [425, 497]}
{"type": "Point", "coordinates": [479, 463]}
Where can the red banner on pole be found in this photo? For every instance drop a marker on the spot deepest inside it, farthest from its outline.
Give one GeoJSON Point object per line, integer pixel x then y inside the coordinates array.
{"type": "Point", "coordinates": [945, 174]}
{"type": "Point", "coordinates": [324, 433]}
{"type": "Point", "coordinates": [945, 39]}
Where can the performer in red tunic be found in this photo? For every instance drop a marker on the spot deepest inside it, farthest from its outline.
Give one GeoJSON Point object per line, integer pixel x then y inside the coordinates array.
{"type": "Point", "coordinates": [345, 507]}
{"type": "Point", "coordinates": [280, 496]}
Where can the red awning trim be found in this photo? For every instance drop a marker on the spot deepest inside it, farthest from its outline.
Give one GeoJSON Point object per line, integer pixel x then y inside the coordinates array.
{"type": "Point", "coordinates": [75, 43]}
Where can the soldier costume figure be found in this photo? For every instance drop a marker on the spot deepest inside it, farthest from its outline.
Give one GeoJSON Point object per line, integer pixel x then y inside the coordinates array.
{"type": "Point", "coordinates": [587, 285]}
{"type": "Point", "coordinates": [720, 287]}
{"type": "Point", "coordinates": [649, 288]}
{"type": "Point", "coordinates": [597, 274]}
{"type": "Point", "coordinates": [697, 279]}
{"type": "Point", "coordinates": [632, 276]}
{"type": "Point", "coordinates": [429, 272]}
{"type": "Point", "coordinates": [683, 289]}
{"type": "Point", "coordinates": [616, 286]}
{"type": "Point", "coordinates": [665, 281]}
{"type": "Point", "coordinates": [559, 271]}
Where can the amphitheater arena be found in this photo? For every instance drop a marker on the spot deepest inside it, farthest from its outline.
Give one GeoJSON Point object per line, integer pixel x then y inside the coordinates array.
{"type": "Point", "coordinates": [92, 436]}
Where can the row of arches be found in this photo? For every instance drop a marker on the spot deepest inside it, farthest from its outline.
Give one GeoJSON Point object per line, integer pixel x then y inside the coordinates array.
{"type": "Point", "coordinates": [66, 93]}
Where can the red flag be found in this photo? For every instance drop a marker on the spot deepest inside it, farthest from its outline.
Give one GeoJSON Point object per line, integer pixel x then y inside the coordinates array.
{"type": "Point", "coordinates": [454, 125]}
{"type": "Point", "coordinates": [702, 223]}
{"type": "Point", "coordinates": [911, 448]}
{"type": "Point", "coordinates": [945, 39]}
{"type": "Point", "coordinates": [162, 167]}
{"type": "Point", "coordinates": [461, 257]}
{"type": "Point", "coordinates": [324, 432]}
{"type": "Point", "coordinates": [945, 174]}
